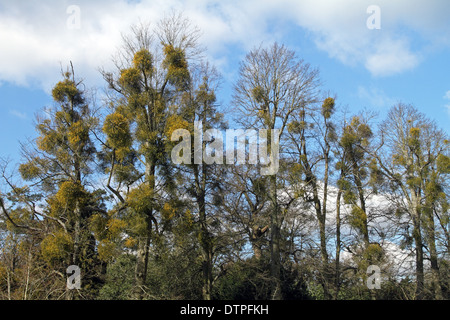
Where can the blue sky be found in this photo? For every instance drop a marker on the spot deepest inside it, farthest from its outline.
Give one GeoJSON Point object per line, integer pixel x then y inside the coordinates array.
{"type": "Point", "coordinates": [407, 59]}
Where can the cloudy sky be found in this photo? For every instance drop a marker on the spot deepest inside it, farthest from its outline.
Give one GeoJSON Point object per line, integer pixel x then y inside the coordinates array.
{"type": "Point", "coordinates": [370, 61]}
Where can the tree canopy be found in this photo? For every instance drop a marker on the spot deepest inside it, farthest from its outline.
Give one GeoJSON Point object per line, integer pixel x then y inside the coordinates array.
{"type": "Point", "coordinates": [98, 188]}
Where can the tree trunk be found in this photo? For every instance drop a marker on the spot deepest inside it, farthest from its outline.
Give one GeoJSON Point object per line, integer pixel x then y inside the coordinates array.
{"type": "Point", "coordinates": [417, 236]}
{"type": "Point", "coordinates": [323, 244]}
{"type": "Point", "coordinates": [255, 238]}
{"type": "Point", "coordinates": [200, 176]}
{"type": "Point", "coordinates": [75, 259]}
{"type": "Point", "coordinates": [320, 209]}
{"type": "Point", "coordinates": [322, 228]}
{"type": "Point", "coordinates": [29, 262]}
{"type": "Point", "coordinates": [338, 243]}
{"type": "Point", "coordinates": [8, 280]}
{"type": "Point", "coordinates": [207, 275]}
{"type": "Point", "coordinates": [435, 273]}
{"type": "Point", "coordinates": [142, 264]}
{"type": "Point", "coordinates": [144, 242]}
{"type": "Point", "coordinates": [207, 251]}
{"type": "Point", "coordinates": [362, 200]}
{"type": "Point", "coordinates": [275, 258]}
{"type": "Point", "coordinates": [76, 236]}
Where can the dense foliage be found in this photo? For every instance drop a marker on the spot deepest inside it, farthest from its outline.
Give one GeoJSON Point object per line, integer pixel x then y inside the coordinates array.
{"type": "Point", "coordinates": [98, 188]}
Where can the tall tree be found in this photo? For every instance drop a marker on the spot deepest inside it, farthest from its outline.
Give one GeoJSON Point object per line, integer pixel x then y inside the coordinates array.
{"type": "Point", "coordinates": [198, 113]}
{"type": "Point", "coordinates": [150, 78]}
{"type": "Point", "coordinates": [273, 83]}
{"type": "Point", "coordinates": [312, 133]}
{"type": "Point", "coordinates": [60, 198]}
{"type": "Point", "coordinates": [413, 157]}
{"type": "Point", "coordinates": [356, 135]}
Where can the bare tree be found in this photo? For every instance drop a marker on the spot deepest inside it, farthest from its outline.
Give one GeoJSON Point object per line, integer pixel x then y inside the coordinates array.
{"type": "Point", "coordinates": [410, 157]}
{"type": "Point", "coordinates": [273, 84]}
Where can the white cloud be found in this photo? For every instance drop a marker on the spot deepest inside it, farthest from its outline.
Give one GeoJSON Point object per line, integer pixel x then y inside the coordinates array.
{"type": "Point", "coordinates": [339, 28]}
{"type": "Point", "coordinates": [447, 95]}
{"type": "Point", "coordinates": [18, 114]}
{"type": "Point", "coordinates": [35, 38]}
{"type": "Point", "coordinates": [447, 106]}
{"type": "Point", "coordinates": [375, 97]}
{"type": "Point", "coordinates": [391, 57]}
